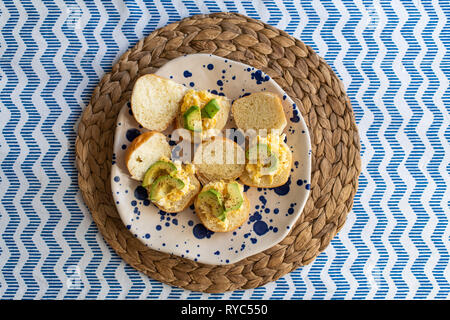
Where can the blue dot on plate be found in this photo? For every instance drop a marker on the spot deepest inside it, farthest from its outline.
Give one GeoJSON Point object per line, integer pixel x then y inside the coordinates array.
{"type": "Point", "coordinates": [141, 193]}
{"type": "Point", "coordinates": [201, 232]}
{"type": "Point", "coordinates": [295, 117]}
{"type": "Point", "coordinates": [260, 227]}
{"type": "Point", "coordinates": [284, 189]}
{"type": "Point", "coordinates": [116, 179]}
{"type": "Point", "coordinates": [132, 134]}
{"type": "Point", "coordinates": [260, 77]}
{"type": "Point", "coordinates": [147, 235]}
{"type": "Point", "coordinates": [187, 74]}
{"type": "Point", "coordinates": [210, 66]}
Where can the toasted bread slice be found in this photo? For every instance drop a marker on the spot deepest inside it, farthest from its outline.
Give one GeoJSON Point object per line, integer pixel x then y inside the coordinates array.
{"type": "Point", "coordinates": [219, 159]}
{"type": "Point", "coordinates": [155, 101]}
{"type": "Point", "coordinates": [145, 150]}
{"type": "Point", "coordinates": [278, 179]}
{"type": "Point", "coordinates": [186, 201]}
{"type": "Point", "coordinates": [235, 218]}
{"type": "Point", "coordinates": [261, 110]}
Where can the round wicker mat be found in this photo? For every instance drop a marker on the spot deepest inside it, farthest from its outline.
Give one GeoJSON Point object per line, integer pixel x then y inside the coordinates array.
{"type": "Point", "coordinates": [308, 80]}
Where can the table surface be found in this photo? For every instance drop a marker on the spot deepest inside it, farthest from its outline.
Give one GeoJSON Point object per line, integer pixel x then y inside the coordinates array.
{"type": "Point", "coordinates": [394, 61]}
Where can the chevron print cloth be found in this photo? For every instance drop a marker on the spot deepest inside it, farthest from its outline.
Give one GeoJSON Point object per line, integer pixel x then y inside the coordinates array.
{"type": "Point", "coordinates": [394, 59]}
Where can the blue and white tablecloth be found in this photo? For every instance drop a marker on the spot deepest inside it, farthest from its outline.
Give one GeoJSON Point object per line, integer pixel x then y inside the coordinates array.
{"type": "Point", "coordinates": [394, 59]}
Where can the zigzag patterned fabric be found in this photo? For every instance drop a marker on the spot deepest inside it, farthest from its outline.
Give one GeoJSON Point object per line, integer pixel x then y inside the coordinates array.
{"type": "Point", "coordinates": [394, 61]}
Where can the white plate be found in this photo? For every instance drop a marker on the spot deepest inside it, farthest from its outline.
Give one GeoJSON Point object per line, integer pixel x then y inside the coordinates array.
{"type": "Point", "coordinates": [274, 211]}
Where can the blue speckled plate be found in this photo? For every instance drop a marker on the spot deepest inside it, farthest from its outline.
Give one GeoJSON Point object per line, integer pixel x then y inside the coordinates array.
{"type": "Point", "coordinates": [274, 211]}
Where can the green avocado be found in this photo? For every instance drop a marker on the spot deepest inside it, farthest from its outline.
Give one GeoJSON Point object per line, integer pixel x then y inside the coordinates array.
{"type": "Point", "coordinates": [272, 164]}
{"type": "Point", "coordinates": [264, 153]}
{"type": "Point", "coordinates": [193, 119]}
{"type": "Point", "coordinates": [260, 151]}
{"type": "Point", "coordinates": [214, 200]}
{"type": "Point", "coordinates": [157, 169]}
{"type": "Point", "coordinates": [163, 186]}
{"type": "Point", "coordinates": [210, 109]}
{"type": "Point", "coordinates": [234, 199]}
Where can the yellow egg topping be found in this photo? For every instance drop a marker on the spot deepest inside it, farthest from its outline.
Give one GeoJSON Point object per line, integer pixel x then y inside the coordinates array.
{"type": "Point", "coordinates": [257, 171]}
{"type": "Point", "coordinates": [221, 187]}
{"type": "Point", "coordinates": [200, 99]}
{"type": "Point", "coordinates": [183, 172]}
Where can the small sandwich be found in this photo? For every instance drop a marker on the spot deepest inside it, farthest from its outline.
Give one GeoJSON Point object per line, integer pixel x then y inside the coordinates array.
{"type": "Point", "coordinates": [261, 110]}
{"type": "Point", "coordinates": [219, 159]}
{"type": "Point", "coordinates": [222, 206]}
{"type": "Point", "coordinates": [155, 101]}
{"type": "Point", "coordinates": [202, 111]}
{"type": "Point", "coordinates": [269, 162]}
{"type": "Point", "coordinates": [171, 186]}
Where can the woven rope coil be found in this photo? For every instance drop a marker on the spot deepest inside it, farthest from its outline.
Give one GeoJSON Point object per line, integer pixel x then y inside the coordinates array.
{"type": "Point", "coordinates": [306, 78]}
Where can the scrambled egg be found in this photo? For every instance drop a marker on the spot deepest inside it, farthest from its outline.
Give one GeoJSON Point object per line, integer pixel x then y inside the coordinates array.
{"type": "Point", "coordinates": [200, 99]}
{"type": "Point", "coordinates": [183, 173]}
{"type": "Point", "coordinates": [221, 187]}
{"type": "Point", "coordinates": [257, 171]}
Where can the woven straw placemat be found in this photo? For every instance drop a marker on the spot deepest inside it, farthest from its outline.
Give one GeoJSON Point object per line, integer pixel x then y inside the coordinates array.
{"type": "Point", "coordinates": [305, 77]}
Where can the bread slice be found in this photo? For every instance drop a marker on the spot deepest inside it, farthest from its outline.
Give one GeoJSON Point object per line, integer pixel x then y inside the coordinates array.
{"type": "Point", "coordinates": [155, 101]}
{"type": "Point", "coordinates": [261, 110]}
{"type": "Point", "coordinates": [235, 219]}
{"type": "Point", "coordinates": [278, 180]}
{"type": "Point", "coordinates": [186, 201]}
{"type": "Point", "coordinates": [145, 150]}
{"type": "Point", "coordinates": [219, 159]}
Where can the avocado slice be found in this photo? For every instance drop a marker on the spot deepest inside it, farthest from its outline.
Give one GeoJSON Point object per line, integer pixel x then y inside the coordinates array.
{"type": "Point", "coordinates": [192, 119]}
{"type": "Point", "coordinates": [157, 169]}
{"type": "Point", "coordinates": [260, 151]}
{"type": "Point", "coordinates": [210, 109]}
{"type": "Point", "coordinates": [214, 200]}
{"type": "Point", "coordinates": [264, 154]}
{"type": "Point", "coordinates": [163, 186]}
{"type": "Point", "coordinates": [234, 199]}
{"type": "Point", "coordinates": [271, 165]}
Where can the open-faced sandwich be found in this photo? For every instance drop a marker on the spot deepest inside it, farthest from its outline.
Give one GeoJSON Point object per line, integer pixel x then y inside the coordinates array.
{"type": "Point", "coordinates": [269, 162]}
{"type": "Point", "coordinates": [219, 159]}
{"type": "Point", "coordinates": [202, 111]}
{"type": "Point", "coordinates": [171, 186]}
{"type": "Point", "coordinates": [222, 206]}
